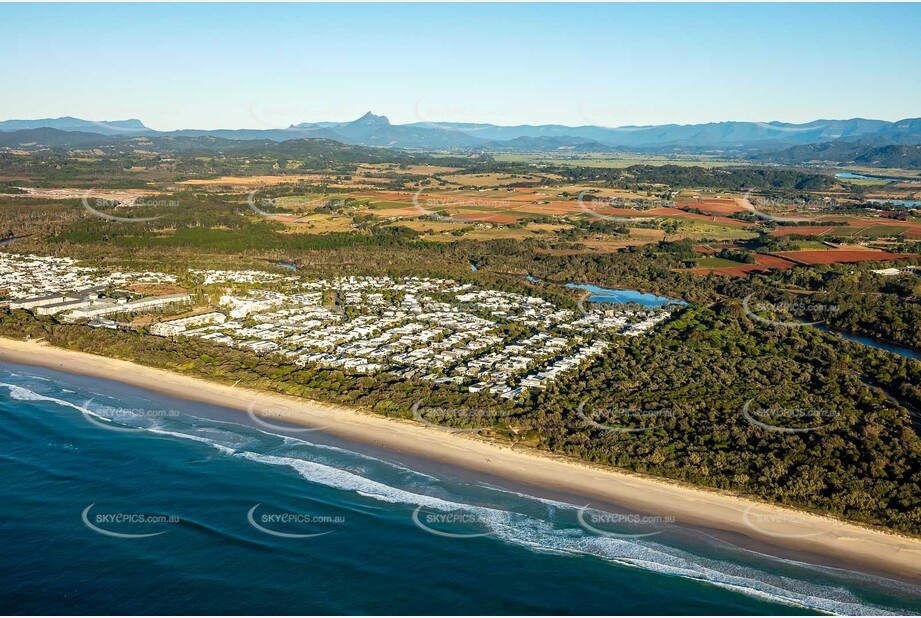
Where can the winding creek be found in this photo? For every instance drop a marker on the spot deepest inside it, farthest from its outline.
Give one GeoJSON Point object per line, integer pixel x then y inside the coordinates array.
{"type": "Point", "coordinates": [871, 342]}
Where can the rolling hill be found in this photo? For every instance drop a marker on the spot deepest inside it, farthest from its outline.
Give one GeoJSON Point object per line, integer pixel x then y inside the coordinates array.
{"type": "Point", "coordinates": [869, 142]}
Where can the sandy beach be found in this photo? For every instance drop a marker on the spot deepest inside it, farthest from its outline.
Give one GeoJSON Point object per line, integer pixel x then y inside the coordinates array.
{"type": "Point", "coordinates": [837, 542]}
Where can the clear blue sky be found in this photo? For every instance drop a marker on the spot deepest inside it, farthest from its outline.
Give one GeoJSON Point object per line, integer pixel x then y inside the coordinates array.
{"type": "Point", "coordinates": [270, 65]}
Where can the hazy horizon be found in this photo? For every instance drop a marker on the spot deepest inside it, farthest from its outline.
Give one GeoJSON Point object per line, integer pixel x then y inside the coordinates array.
{"type": "Point", "coordinates": [270, 66]}
{"type": "Point", "coordinates": [442, 121]}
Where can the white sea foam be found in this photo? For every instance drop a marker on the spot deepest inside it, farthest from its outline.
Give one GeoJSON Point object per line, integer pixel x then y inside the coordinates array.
{"type": "Point", "coordinates": [293, 441]}
{"type": "Point", "coordinates": [542, 535]}
{"type": "Point", "coordinates": [24, 394]}
{"type": "Point", "coordinates": [192, 436]}
{"type": "Point", "coordinates": [342, 479]}
{"type": "Point", "coordinates": [553, 503]}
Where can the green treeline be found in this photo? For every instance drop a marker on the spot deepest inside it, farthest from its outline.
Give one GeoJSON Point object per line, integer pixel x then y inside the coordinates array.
{"type": "Point", "coordinates": [693, 378]}
{"type": "Point", "coordinates": [678, 176]}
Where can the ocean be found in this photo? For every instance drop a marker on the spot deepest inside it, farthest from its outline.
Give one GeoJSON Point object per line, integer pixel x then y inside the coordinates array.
{"type": "Point", "coordinates": [116, 500]}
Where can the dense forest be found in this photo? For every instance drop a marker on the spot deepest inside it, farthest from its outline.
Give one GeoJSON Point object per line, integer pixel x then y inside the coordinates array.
{"type": "Point", "coordinates": [678, 176]}
{"type": "Point", "coordinates": [860, 152]}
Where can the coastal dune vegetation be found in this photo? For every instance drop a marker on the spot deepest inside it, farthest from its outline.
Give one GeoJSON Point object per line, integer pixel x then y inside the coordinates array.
{"type": "Point", "coordinates": [863, 462]}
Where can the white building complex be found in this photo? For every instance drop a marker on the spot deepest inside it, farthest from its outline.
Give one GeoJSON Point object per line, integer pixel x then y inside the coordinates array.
{"type": "Point", "coordinates": [170, 328]}
{"type": "Point", "coordinates": [422, 328]}
{"type": "Point", "coordinates": [108, 306]}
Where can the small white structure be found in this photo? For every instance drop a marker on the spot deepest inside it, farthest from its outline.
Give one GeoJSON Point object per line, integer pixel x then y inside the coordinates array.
{"type": "Point", "coordinates": [888, 272]}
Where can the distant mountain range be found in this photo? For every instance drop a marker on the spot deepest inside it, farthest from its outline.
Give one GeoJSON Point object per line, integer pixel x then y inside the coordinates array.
{"type": "Point", "coordinates": [315, 149]}
{"type": "Point", "coordinates": [860, 152]}
{"type": "Point", "coordinates": [714, 135]}
{"type": "Point", "coordinates": [68, 123]}
{"type": "Point", "coordinates": [857, 139]}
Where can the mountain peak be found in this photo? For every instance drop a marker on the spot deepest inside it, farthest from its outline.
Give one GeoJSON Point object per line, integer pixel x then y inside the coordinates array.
{"type": "Point", "coordinates": [131, 123]}
{"type": "Point", "coordinates": [370, 119]}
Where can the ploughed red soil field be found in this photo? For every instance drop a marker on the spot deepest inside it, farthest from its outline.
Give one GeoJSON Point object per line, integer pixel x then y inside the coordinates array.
{"type": "Point", "coordinates": [621, 212]}
{"type": "Point", "coordinates": [803, 230]}
{"type": "Point", "coordinates": [552, 208]}
{"type": "Point", "coordinates": [832, 256]}
{"type": "Point", "coordinates": [674, 212]}
{"type": "Point", "coordinates": [669, 212]}
{"type": "Point", "coordinates": [791, 259]}
{"type": "Point", "coordinates": [712, 206]}
{"type": "Point", "coordinates": [763, 263]}
{"type": "Point", "coordinates": [391, 195]}
{"type": "Point", "coordinates": [487, 217]}
{"type": "Point", "coordinates": [772, 261]}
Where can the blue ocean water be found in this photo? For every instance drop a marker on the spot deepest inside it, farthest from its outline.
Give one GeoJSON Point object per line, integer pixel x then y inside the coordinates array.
{"type": "Point", "coordinates": [119, 500]}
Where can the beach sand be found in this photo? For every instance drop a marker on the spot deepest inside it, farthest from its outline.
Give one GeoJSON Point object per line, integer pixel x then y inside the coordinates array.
{"type": "Point", "coordinates": [832, 541]}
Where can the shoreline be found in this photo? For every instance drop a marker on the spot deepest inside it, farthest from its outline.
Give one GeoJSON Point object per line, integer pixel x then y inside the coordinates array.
{"type": "Point", "coordinates": [837, 542]}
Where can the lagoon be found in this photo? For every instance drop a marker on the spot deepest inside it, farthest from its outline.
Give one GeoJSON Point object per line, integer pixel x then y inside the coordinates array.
{"type": "Point", "coordinates": [907, 204]}
{"type": "Point", "coordinates": [621, 297]}
{"type": "Point", "coordinates": [852, 176]}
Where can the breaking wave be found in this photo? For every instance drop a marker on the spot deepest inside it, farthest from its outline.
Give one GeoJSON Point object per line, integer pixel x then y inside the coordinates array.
{"type": "Point", "coordinates": [554, 531]}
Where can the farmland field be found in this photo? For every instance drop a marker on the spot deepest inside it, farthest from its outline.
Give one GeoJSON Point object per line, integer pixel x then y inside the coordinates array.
{"type": "Point", "coordinates": [715, 262]}
{"type": "Point", "coordinates": [832, 256]}
{"type": "Point", "coordinates": [489, 180]}
{"type": "Point", "coordinates": [614, 160]}
{"type": "Point", "coordinates": [772, 261]}
{"type": "Point", "coordinates": [712, 206]}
